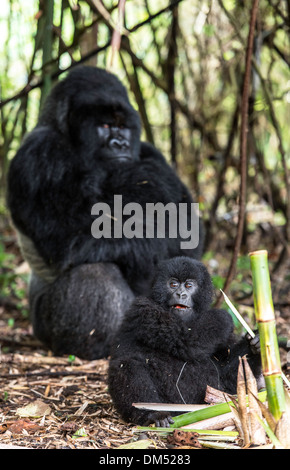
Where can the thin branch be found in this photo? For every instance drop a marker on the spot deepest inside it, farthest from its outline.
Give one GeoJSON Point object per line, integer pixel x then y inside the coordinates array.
{"type": "Point", "coordinates": [222, 174]}
{"type": "Point", "coordinates": [276, 126]}
{"type": "Point", "coordinates": [119, 26]}
{"type": "Point", "coordinates": [198, 124]}
{"type": "Point", "coordinates": [154, 30]}
{"type": "Point", "coordinates": [116, 37]}
{"type": "Point", "coordinates": [60, 373]}
{"type": "Point", "coordinates": [136, 89]}
{"type": "Point", "coordinates": [170, 69]}
{"type": "Point", "coordinates": [47, 49]}
{"type": "Point", "coordinates": [243, 149]}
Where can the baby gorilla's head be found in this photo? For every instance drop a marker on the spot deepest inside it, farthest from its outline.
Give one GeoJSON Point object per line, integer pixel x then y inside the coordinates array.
{"type": "Point", "coordinates": [183, 286]}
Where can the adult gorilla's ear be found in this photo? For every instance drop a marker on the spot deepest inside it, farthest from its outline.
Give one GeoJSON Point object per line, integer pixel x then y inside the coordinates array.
{"type": "Point", "coordinates": [62, 113]}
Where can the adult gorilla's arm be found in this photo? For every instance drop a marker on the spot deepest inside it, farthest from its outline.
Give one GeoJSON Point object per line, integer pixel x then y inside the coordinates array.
{"type": "Point", "coordinates": [36, 184]}
{"type": "Point", "coordinates": [50, 198]}
{"type": "Point", "coordinates": [49, 205]}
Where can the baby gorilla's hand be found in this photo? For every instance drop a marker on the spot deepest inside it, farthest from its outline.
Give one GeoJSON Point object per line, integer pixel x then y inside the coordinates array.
{"type": "Point", "coordinates": [254, 344]}
{"type": "Point", "coordinates": [162, 419]}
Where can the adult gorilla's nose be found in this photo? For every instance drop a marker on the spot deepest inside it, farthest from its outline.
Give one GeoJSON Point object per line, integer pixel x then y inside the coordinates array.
{"type": "Point", "coordinates": [119, 143]}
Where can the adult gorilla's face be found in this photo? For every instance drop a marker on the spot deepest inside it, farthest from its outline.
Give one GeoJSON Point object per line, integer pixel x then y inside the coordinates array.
{"type": "Point", "coordinates": [105, 132]}
{"type": "Point", "coordinates": [115, 134]}
{"type": "Point", "coordinates": [94, 114]}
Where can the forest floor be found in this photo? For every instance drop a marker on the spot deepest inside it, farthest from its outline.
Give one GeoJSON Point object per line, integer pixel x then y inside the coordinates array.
{"type": "Point", "coordinates": [70, 407]}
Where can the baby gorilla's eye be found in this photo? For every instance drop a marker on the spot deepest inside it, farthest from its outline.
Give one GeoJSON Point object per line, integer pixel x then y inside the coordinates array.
{"type": "Point", "coordinates": [173, 284]}
{"type": "Point", "coordinates": [188, 284]}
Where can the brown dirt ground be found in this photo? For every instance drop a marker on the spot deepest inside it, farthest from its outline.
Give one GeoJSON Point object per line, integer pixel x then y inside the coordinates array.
{"type": "Point", "coordinates": [75, 391]}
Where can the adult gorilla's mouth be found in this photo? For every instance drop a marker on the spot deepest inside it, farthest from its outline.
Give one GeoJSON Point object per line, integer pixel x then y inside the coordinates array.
{"type": "Point", "coordinates": [122, 157]}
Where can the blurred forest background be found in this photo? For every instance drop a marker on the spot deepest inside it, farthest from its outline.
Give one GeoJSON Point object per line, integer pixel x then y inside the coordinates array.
{"type": "Point", "coordinates": [183, 63]}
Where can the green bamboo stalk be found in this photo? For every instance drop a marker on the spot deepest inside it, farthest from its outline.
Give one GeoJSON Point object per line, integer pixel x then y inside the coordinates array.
{"type": "Point", "coordinates": [199, 415]}
{"type": "Point", "coordinates": [205, 413]}
{"type": "Point", "coordinates": [265, 318]}
{"type": "Point", "coordinates": [281, 341]}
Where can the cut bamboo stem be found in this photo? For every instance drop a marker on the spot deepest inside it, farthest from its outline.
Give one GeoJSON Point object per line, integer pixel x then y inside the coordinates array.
{"type": "Point", "coordinates": [257, 433]}
{"type": "Point", "coordinates": [242, 401]}
{"type": "Point", "coordinates": [265, 318]}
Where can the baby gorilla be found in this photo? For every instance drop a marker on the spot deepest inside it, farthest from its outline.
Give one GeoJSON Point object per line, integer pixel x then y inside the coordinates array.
{"type": "Point", "coordinates": [171, 345]}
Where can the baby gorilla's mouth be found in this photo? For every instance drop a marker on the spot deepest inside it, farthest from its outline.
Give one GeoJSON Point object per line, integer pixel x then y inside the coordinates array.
{"type": "Point", "coordinates": [180, 306]}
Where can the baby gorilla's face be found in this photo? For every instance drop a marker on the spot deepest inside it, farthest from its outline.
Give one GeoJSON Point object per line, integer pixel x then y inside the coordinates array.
{"type": "Point", "coordinates": [181, 296]}
{"type": "Point", "coordinates": [183, 287]}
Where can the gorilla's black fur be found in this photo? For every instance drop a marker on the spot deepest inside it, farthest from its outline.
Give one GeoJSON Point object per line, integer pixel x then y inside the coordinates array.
{"type": "Point", "coordinates": [166, 353]}
{"type": "Point", "coordinates": [65, 166]}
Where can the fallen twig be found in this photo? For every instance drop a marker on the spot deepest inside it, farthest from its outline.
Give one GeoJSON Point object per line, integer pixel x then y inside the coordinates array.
{"type": "Point", "coordinates": [37, 359]}
{"type": "Point", "coordinates": [59, 373]}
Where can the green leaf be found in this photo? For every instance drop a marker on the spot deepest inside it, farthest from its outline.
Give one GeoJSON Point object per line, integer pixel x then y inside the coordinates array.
{"type": "Point", "coordinates": [208, 30]}
{"type": "Point", "coordinates": [80, 433]}
{"type": "Point", "coordinates": [218, 281]}
{"type": "Point", "coordinates": [228, 55]}
{"type": "Point", "coordinates": [11, 322]}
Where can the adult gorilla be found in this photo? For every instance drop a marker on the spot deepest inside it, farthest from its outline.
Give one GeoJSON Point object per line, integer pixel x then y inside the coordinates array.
{"type": "Point", "coordinates": [85, 150]}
